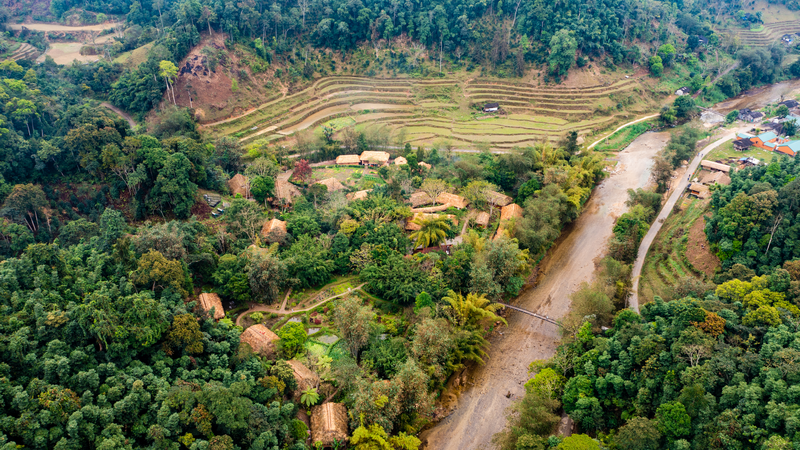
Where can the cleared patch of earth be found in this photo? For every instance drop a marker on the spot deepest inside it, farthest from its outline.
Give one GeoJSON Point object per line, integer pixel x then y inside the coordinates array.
{"type": "Point", "coordinates": [490, 389]}
{"type": "Point", "coordinates": [58, 27]}
{"type": "Point", "coordinates": [697, 249]}
{"type": "Point", "coordinates": [64, 54]}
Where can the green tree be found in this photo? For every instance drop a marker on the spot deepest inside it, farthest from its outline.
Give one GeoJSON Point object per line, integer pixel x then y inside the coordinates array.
{"type": "Point", "coordinates": [639, 433]}
{"type": "Point", "coordinates": [469, 311]}
{"type": "Point", "coordinates": [432, 232]}
{"type": "Point", "coordinates": [262, 188]}
{"type": "Point", "coordinates": [790, 127]}
{"type": "Point", "coordinates": [353, 320]}
{"type": "Point", "coordinates": [25, 203]}
{"type": "Point", "coordinates": [673, 421]}
{"type": "Point", "coordinates": [184, 335]}
{"type": "Point", "coordinates": [159, 273]}
{"type": "Point", "coordinates": [563, 48]}
{"type": "Point", "coordinates": [782, 111]}
{"type": "Point", "coordinates": [267, 275]}
{"type": "Point", "coordinates": [578, 442]}
{"type": "Point", "coordinates": [168, 71]}
{"type": "Point", "coordinates": [293, 337]}
{"type": "Point", "coordinates": [667, 53]}
{"type": "Point", "coordinates": [309, 397]}
{"type": "Point", "coordinates": [656, 66]}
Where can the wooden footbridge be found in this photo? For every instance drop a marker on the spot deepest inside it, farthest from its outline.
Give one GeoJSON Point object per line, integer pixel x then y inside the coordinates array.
{"type": "Point", "coordinates": [530, 313]}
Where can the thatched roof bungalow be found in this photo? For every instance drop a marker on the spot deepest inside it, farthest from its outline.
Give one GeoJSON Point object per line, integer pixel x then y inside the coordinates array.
{"type": "Point", "coordinates": [239, 184]}
{"type": "Point", "coordinates": [420, 198]}
{"type": "Point", "coordinates": [399, 161]}
{"type": "Point", "coordinates": [329, 424]}
{"type": "Point", "coordinates": [511, 211]}
{"type": "Point", "coordinates": [425, 165]}
{"type": "Point", "coordinates": [498, 198]}
{"type": "Point", "coordinates": [332, 184]}
{"type": "Point", "coordinates": [209, 301]}
{"type": "Point", "coordinates": [359, 195]}
{"type": "Point", "coordinates": [261, 339]}
{"type": "Point", "coordinates": [348, 160]}
{"type": "Point", "coordinates": [273, 226]}
{"type": "Point", "coordinates": [286, 191]}
{"type": "Point", "coordinates": [482, 219]}
{"type": "Point", "coordinates": [453, 200]}
{"type": "Point", "coordinates": [306, 378]}
{"type": "Point", "coordinates": [372, 158]}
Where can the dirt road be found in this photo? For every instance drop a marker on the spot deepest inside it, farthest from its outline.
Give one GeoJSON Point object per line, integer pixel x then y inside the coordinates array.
{"type": "Point", "coordinates": [644, 247]}
{"type": "Point", "coordinates": [623, 126]}
{"type": "Point", "coordinates": [120, 113]}
{"type": "Point", "coordinates": [481, 408]}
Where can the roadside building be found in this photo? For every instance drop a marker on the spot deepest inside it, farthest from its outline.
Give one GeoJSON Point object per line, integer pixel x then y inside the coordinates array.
{"type": "Point", "coordinates": [699, 190]}
{"type": "Point", "coordinates": [715, 166]}
{"type": "Point", "coordinates": [708, 178]}
{"type": "Point", "coordinates": [790, 148]}
{"type": "Point", "coordinates": [767, 140]}
{"type": "Point", "coordinates": [747, 115]}
{"type": "Point", "coordinates": [748, 161]}
{"type": "Point", "coordinates": [329, 424]}
{"type": "Point", "coordinates": [491, 107]}
{"type": "Point", "coordinates": [791, 104]}
{"type": "Point", "coordinates": [261, 339]}
{"type": "Point", "coordinates": [348, 160]}
{"type": "Point", "coordinates": [742, 142]}
{"type": "Point", "coordinates": [209, 301]}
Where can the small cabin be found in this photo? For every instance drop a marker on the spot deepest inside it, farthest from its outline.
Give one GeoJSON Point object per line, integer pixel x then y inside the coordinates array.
{"type": "Point", "coordinates": [348, 160]}
{"type": "Point", "coordinates": [305, 377]}
{"type": "Point", "coordinates": [491, 107]}
{"type": "Point", "coordinates": [699, 190]}
{"type": "Point", "coordinates": [715, 166]}
{"type": "Point", "coordinates": [482, 219]}
{"type": "Point", "coordinates": [332, 184]}
{"type": "Point", "coordinates": [209, 301]}
{"type": "Point", "coordinates": [683, 91]}
{"type": "Point", "coordinates": [239, 184]}
{"type": "Point", "coordinates": [399, 161]}
{"type": "Point", "coordinates": [273, 228]}
{"type": "Point", "coordinates": [359, 195]}
{"type": "Point", "coordinates": [372, 158]}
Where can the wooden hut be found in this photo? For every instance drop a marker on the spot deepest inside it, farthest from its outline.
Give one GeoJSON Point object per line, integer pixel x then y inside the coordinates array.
{"type": "Point", "coordinates": [453, 200]}
{"type": "Point", "coordinates": [420, 198]}
{"type": "Point", "coordinates": [239, 184]}
{"type": "Point", "coordinates": [306, 378]}
{"type": "Point", "coordinates": [482, 219]}
{"type": "Point", "coordinates": [332, 184]}
{"type": "Point", "coordinates": [348, 160]}
{"type": "Point", "coordinates": [329, 424]}
{"type": "Point", "coordinates": [399, 161]}
{"type": "Point", "coordinates": [498, 198]}
{"type": "Point", "coordinates": [273, 227]}
{"type": "Point", "coordinates": [209, 301]}
{"type": "Point", "coordinates": [425, 165]}
{"type": "Point", "coordinates": [261, 339]}
{"type": "Point", "coordinates": [374, 158]}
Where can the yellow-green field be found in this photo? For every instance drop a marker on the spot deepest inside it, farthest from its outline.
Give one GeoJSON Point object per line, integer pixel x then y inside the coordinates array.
{"type": "Point", "coordinates": [432, 109]}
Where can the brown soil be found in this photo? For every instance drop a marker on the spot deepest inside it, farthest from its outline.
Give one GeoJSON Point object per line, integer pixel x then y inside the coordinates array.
{"type": "Point", "coordinates": [481, 408]}
{"type": "Point", "coordinates": [210, 89]}
{"type": "Point", "coordinates": [697, 249]}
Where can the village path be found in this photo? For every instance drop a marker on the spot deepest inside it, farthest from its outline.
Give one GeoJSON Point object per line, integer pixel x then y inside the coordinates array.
{"type": "Point", "coordinates": [267, 308]}
{"type": "Point", "coordinates": [481, 408]}
{"type": "Point", "coordinates": [679, 189]}
{"type": "Point", "coordinates": [623, 126]}
{"type": "Point", "coordinates": [120, 113]}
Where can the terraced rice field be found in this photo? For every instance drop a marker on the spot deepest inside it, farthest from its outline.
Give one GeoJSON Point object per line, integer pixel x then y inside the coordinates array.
{"type": "Point", "coordinates": [432, 109]}
{"type": "Point", "coordinates": [771, 33]}
{"type": "Point", "coordinates": [23, 51]}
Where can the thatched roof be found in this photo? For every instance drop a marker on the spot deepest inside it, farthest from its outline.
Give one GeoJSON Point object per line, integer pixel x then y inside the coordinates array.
{"type": "Point", "coordinates": [329, 424]}
{"type": "Point", "coordinates": [261, 339]}
{"type": "Point", "coordinates": [430, 209]}
{"type": "Point", "coordinates": [498, 198]}
{"type": "Point", "coordinates": [482, 219]}
{"type": "Point", "coordinates": [399, 161]}
{"type": "Point", "coordinates": [712, 165]}
{"type": "Point", "coordinates": [359, 195]}
{"type": "Point", "coordinates": [374, 157]}
{"type": "Point", "coordinates": [709, 178]}
{"type": "Point", "coordinates": [273, 225]}
{"type": "Point", "coordinates": [349, 160]}
{"type": "Point", "coordinates": [210, 300]}
{"type": "Point", "coordinates": [305, 377]}
{"type": "Point", "coordinates": [332, 184]}
{"type": "Point", "coordinates": [411, 226]}
{"type": "Point", "coordinates": [420, 198]}
{"type": "Point", "coordinates": [425, 165]}
{"type": "Point", "coordinates": [453, 200]}
{"type": "Point", "coordinates": [510, 211]}
{"type": "Point", "coordinates": [239, 185]}
{"type": "Point", "coordinates": [286, 191]}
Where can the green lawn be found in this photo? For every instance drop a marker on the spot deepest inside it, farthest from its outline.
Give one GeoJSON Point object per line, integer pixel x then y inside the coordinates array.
{"type": "Point", "coordinates": [726, 150]}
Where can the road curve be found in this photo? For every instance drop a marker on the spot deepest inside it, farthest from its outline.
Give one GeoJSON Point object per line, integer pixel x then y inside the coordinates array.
{"type": "Point", "coordinates": [623, 126]}
{"type": "Point", "coordinates": [120, 113]}
{"type": "Point", "coordinates": [647, 241]}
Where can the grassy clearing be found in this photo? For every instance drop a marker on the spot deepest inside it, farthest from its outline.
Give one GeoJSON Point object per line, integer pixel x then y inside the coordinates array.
{"type": "Point", "coordinates": [726, 151]}
{"type": "Point", "coordinates": [622, 138]}
{"type": "Point", "coordinates": [666, 263]}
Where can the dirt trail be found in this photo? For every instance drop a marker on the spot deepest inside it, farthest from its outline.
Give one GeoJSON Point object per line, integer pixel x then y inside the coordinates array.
{"type": "Point", "coordinates": [120, 113]}
{"type": "Point", "coordinates": [481, 408]}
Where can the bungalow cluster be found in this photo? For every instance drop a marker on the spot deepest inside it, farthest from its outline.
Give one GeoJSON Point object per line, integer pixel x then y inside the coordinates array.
{"type": "Point", "coordinates": [767, 141]}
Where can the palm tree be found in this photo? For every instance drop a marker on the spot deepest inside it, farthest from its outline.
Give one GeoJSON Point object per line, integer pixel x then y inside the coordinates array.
{"type": "Point", "coordinates": [432, 231]}
{"type": "Point", "coordinates": [309, 397]}
{"type": "Point", "coordinates": [467, 311]}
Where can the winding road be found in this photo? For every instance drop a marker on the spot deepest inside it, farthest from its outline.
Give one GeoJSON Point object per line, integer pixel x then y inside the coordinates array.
{"type": "Point", "coordinates": [120, 113]}
{"type": "Point", "coordinates": [492, 388]}
{"type": "Point", "coordinates": [683, 183]}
